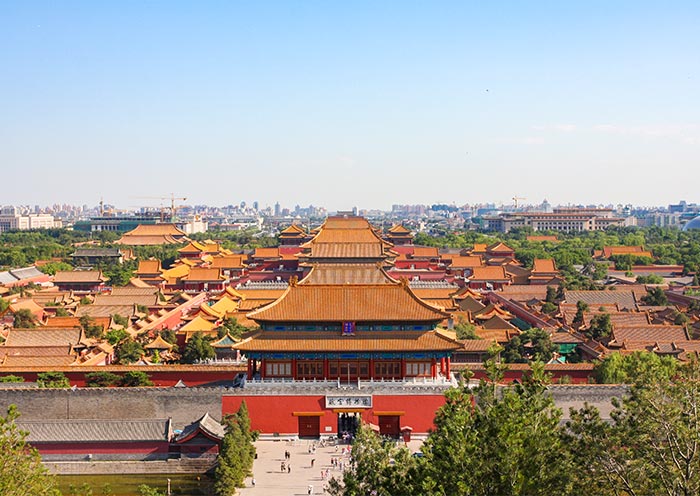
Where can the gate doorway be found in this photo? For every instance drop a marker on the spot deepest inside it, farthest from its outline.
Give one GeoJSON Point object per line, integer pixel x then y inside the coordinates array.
{"type": "Point", "coordinates": [389, 425]}
{"type": "Point", "coordinates": [348, 423]}
{"type": "Point", "coordinates": [309, 427]}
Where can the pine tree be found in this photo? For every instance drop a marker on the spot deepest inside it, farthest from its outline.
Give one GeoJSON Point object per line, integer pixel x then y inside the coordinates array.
{"type": "Point", "coordinates": [237, 453]}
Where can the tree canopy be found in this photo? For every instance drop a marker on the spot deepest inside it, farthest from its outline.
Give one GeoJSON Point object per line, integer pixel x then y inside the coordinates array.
{"type": "Point", "coordinates": [237, 453]}
{"type": "Point", "coordinates": [197, 349]}
{"type": "Point", "coordinates": [21, 471]}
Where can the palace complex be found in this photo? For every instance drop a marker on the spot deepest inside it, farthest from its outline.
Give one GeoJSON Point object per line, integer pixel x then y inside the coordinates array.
{"type": "Point", "coordinates": [334, 325]}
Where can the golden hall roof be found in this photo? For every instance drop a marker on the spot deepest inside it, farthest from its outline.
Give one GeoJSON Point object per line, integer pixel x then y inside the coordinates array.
{"type": "Point", "coordinates": [346, 237]}
{"type": "Point", "coordinates": [153, 235]}
{"type": "Point", "coordinates": [360, 273]}
{"type": "Point", "coordinates": [348, 303]}
{"type": "Point", "coordinates": [204, 274]}
{"type": "Point", "coordinates": [198, 324]}
{"type": "Point", "coordinates": [156, 230]}
{"type": "Point", "coordinates": [329, 341]}
{"type": "Point", "coordinates": [159, 344]}
{"type": "Point", "coordinates": [151, 266]}
{"type": "Point", "coordinates": [399, 229]}
{"type": "Point", "coordinates": [228, 262]}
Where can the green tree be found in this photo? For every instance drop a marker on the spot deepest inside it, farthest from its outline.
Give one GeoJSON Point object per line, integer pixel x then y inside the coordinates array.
{"type": "Point", "coordinates": [376, 466]}
{"type": "Point", "coordinates": [551, 295]}
{"type": "Point", "coordinates": [62, 312]}
{"type": "Point", "coordinates": [24, 319]}
{"type": "Point", "coordinates": [581, 309]}
{"type": "Point", "coordinates": [120, 320]}
{"type": "Point", "coordinates": [11, 378]}
{"type": "Point", "coordinates": [119, 274]}
{"type": "Point", "coordinates": [146, 490]}
{"type": "Point", "coordinates": [681, 319]}
{"type": "Point", "coordinates": [90, 328]}
{"type": "Point", "coordinates": [505, 435]}
{"type": "Point", "coordinates": [83, 490]}
{"type": "Point", "coordinates": [636, 367]}
{"type": "Point", "coordinates": [465, 330]}
{"type": "Point", "coordinates": [21, 471]}
{"type": "Point", "coordinates": [231, 326]}
{"type": "Point", "coordinates": [168, 335]}
{"type": "Point", "coordinates": [116, 336]}
{"type": "Point", "coordinates": [652, 444]}
{"type": "Point", "coordinates": [197, 349]}
{"type": "Point", "coordinates": [650, 279]}
{"type": "Point", "coordinates": [531, 345]}
{"type": "Point", "coordinates": [101, 379]}
{"type": "Point", "coordinates": [549, 307]}
{"type": "Point", "coordinates": [135, 378]}
{"type": "Point", "coordinates": [129, 351]}
{"type": "Point", "coordinates": [52, 267]}
{"type": "Point", "coordinates": [52, 380]}
{"type": "Point", "coordinates": [655, 297]}
{"type": "Point", "coordinates": [600, 327]}
{"type": "Point", "coordinates": [236, 455]}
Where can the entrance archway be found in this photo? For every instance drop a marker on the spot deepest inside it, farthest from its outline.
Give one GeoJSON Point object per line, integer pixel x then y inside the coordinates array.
{"type": "Point", "coordinates": [348, 423]}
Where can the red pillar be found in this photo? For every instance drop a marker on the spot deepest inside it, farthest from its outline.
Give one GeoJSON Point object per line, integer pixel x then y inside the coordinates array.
{"type": "Point", "coordinates": [250, 368]}
{"type": "Point", "coordinates": [371, 368]}
{"type": "Point", "coordinates": [294, 368]}
{"type": "Point", "coordinates": [447, 363]}
{"type": "Point", "coordinates": [326, 369]}
{"type": "Point", "coordinates": [262, 368]}
{"type": "Point", "coordinates": [433, 369]}
{"type": "Point", "coordinates": [403, 368]}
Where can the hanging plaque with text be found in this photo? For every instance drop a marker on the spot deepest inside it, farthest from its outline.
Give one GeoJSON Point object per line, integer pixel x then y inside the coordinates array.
{"type": "Point", "coordinates": [352, 401]}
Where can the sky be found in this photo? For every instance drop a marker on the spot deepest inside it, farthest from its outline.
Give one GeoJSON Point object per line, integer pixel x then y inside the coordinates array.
{"type": "Point", "coordinates": [343, 104]}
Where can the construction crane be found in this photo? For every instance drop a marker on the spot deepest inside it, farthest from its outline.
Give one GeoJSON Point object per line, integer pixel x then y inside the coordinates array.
{"type": "Point", "coordinates": [172, 199]}
{"type": "Point", "coordinates": [516, 198]}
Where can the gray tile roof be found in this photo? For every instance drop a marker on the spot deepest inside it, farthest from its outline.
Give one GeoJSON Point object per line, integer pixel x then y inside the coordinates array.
{"type": "Point", "coordinates": [207, 424]}
{"type": "Point", "coordinates": [7, 278]}
{"type": "Point", "coordinates": [44, 337]}
{"type": "Point", "coordinates": [87, 430]}
{"type": "Point", "coordinates": [96, 252]}
{"type": "Point", "coordinates": [26, 272]}
{"type": "Point", "coordinates": [106, 310]}
{"type": "Point", "coordinates": [623, 299]}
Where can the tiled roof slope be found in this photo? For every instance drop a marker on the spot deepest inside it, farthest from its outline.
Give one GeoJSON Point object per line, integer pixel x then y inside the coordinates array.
{"type": "Point", "coordinates": [623, 299]}
{"type": "Point", "coordinates": [102, 430]}
{"type": "Point", "coordinates": [347, 274]}
{"type": "Point", "coordinates": [347, 303]}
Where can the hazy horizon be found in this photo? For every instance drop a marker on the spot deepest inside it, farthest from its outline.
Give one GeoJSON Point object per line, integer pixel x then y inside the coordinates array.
{"type": "Point", "coordinates": [343, 105]}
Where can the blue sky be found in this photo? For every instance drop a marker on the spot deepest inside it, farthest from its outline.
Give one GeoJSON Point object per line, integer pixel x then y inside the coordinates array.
{"type": "Point", "coordinates": [350, 103]}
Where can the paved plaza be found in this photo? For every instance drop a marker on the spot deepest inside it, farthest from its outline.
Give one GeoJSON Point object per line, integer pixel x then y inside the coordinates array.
{"type": "Point", "coordinates": [271, 481]}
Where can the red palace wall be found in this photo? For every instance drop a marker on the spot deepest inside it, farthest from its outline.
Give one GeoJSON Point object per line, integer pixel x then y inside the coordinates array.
{"type": "Point", "coordinates": [276, 414]}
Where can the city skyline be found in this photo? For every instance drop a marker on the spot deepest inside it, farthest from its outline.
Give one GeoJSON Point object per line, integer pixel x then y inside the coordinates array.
{"type": "Point", "coordinates": [350, 105]}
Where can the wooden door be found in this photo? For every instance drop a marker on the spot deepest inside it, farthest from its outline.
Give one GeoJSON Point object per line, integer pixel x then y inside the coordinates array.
{"type": "Point", "coordinates": [309, 427]}
{"type": "Point", "coordinates": [389, 425]}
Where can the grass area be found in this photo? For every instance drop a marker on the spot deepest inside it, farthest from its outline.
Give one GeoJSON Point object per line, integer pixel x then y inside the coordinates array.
{"type": "Point", "coordinates": [127, 485]}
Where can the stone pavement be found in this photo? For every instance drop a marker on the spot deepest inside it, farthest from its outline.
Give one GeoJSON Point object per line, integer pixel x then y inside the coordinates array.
{"type": "Point", "coordinates": [269, 479]}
